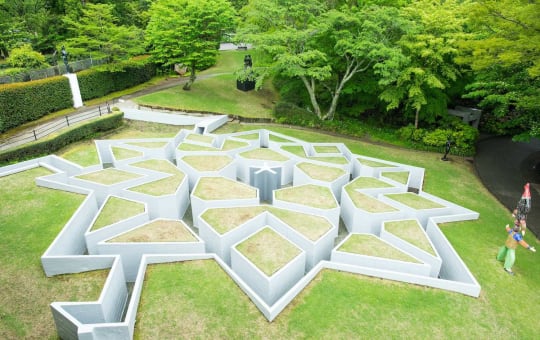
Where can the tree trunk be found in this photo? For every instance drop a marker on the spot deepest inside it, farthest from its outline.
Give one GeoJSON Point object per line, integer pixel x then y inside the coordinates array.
{"type": "Point", "coordinates": [310, 86]}
{"type": "Point", "coordinates": [335, 97]}
{"type": "Point", "coordinates": [192, 77]}
{"type": "Point", "coordinates": [416, 118]}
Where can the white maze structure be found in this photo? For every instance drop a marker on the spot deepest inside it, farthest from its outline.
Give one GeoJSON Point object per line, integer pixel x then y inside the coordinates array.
{"type": "Point", "coordinates": [221, 197]}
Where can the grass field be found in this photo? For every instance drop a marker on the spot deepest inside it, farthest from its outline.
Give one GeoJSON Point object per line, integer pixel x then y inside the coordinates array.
{"type": "Point", "coordinates": [216, 92]}
{"type": "Point", "coordinates": [197, 300]}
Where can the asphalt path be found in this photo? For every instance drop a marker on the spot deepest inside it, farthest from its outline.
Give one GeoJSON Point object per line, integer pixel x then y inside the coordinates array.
{"type": "Point", "coordinates": [505, 166]}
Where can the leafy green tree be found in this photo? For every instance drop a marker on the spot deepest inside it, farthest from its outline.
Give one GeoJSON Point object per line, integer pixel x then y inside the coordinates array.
{"type": "Point", "coordinates": [188, 32]}
{"type": "Point", "coordinates": [504, 52]}
{"type": "Point", "coordinates": [325, 47]}
{"type": "Point", "coordinates": [22, 22]}
{"type": "Point", "coordinates": [430, 48]}
{"type": "Point", "coordinates": [96, 33]}
{"type": "Point", "coordinates": [25, 57]}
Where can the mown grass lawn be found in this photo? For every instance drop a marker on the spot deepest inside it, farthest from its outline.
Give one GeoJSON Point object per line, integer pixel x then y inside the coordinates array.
{"type": "Point", "coordinates": [216, 92]}
{"type": "Point", "coordinates": [198, 300]}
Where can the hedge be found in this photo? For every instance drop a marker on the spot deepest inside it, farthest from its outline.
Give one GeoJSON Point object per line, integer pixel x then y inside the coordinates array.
{"type": "Point", "coordinates": [102, 80]}
{"type": "Point", "coordinates": [50, 145]}
{"type": "Point", "coordinates": [28, 101]}
{"type": "Point", "coordinates": [25, 102]}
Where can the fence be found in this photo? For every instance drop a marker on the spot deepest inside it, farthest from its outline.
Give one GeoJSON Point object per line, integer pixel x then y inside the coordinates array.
{"type": "Point", "coordinates": [48, 128]}
{"type": "Point", "coordinates": [52, 71]}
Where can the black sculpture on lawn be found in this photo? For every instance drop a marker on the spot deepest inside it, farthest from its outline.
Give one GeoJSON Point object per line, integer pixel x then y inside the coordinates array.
{"type": "Point", "coordinates": [447, 149]}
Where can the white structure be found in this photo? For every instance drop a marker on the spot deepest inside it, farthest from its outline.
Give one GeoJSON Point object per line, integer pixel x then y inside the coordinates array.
{"type": "Point", "coordinates": [78, 248]}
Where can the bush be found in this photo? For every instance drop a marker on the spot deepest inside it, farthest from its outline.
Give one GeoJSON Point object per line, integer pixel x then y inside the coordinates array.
{"type": "Point", "coordinates": [25, 102]}
{"type": "Point", "coordinates": [462, 136]}
{"type": "Point", "coordinates": [25, 57]}
{"type": "Point", "coordinates": [409, 133]}
{"type": "Point", "coordinates": [50, 145]}
{"type": "Point", "coordinates": [287, 113]}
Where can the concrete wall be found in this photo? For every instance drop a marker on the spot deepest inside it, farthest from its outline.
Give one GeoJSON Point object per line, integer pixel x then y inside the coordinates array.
{"type": "Point", "coordinates": [380, 263]}
{"type": "Point", "coordinates": [269, 288]}
{"type": "Point", "coordinates": [66, 253]}
{"type": "Point", "coordinates": [434, 261]}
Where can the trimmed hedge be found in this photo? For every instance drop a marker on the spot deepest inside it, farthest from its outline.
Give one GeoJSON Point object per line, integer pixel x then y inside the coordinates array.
{"type": "Point", "coordinates": [100, 81]}
{"type": "Point", "coordinates": [28, 101]}
{"type": "Point", "coordinates": [50, 145]}
{"type": "Point", "coordinates": [25, 102]}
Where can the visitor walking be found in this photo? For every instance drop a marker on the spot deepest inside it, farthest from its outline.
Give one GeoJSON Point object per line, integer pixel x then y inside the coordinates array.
{"type": "Point", "coordinates": [508, 251]}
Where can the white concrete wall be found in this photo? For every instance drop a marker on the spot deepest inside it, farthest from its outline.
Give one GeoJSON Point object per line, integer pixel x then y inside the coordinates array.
{"type": "Point", "coordinates": [380, 263]}
{"type": "Point", "coordinates": [433, 260]}
{"type": "Point", "coordinates": [270, 289]}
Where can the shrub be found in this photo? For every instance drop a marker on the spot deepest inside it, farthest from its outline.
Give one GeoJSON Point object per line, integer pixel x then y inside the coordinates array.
{"type": "Point", "coordinates": [25, 57]}
{"type": "Point", "coordinates": [50, 145]}
{"type": "Point", "coordinates": [438, 137]}
{"type": "Point", "coordinates": [287, 113]}
{"type": "Point", "coordinates": [409, 133]}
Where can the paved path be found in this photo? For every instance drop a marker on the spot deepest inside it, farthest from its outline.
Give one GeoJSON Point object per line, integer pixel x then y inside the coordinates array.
{"type": "Point", "coordinates": [505, 166]}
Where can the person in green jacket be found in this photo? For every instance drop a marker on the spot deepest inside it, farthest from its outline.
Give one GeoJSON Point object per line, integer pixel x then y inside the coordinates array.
{"type": "Point", "coordinates": [507, 253]}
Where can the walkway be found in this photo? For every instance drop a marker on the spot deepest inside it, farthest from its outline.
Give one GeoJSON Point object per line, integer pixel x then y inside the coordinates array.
{"type": "Point", "coordinates": [505, 166]}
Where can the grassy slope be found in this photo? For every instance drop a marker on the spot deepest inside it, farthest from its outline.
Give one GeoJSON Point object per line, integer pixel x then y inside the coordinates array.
{"type": "Point", "coordinates": [30, 219]}
{"type": "Point", "coordinates": [217, 94]}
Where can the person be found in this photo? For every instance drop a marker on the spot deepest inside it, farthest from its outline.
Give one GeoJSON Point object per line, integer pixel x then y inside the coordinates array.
{"type": "Point", "coordinates": [507, 252]}
{"type": "Point", "coordinates": [522, 208]}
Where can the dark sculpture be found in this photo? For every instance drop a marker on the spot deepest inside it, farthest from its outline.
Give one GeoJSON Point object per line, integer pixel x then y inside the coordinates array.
{"type": "Point", "coordinates": [246, 81]}
{"type": "Point", "coordinates": [65, 58]}
{"type": "Point", "coordinates": [247, 61]}
{"type": "Point", "coordinates": [447, 149]}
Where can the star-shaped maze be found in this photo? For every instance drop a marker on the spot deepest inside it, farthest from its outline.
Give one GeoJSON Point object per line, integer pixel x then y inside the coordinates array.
{"type": "Point", "coordinates": [271, 210]}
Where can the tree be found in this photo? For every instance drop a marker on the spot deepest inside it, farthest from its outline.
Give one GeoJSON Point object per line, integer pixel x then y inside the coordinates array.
{"type": "Point", "coordinates": [430, 48]}
{"type": "Point", "coordinates": [324, 47]}
{"type": "Point", "coordinates": [96, 33]}
{"type": "Point", "coordinates": [25, 57]}
{"type": "Point", "coordinates": [21, 22]}
{"type": "Point", "coordinates": [504, 53]}
{"type": "Point", "coordinates": [188, 32]}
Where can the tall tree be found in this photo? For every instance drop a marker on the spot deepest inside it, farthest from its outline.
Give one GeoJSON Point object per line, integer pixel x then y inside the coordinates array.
{"type": "Point", "coordinates": [96, 33]}
{"type": "Point", "coordinates": [23, 22]}
{"type": "Point", "coordinates": [325, 47]}
{"type": "Point", "coordinates": [504, 52]}
{"type": "Point", "coordinates": [430, 47]}
{"type": "Point", "coordinates": [188, 32]}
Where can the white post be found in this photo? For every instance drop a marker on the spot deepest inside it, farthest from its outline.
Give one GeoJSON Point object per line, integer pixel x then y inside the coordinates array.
{"type": "Point", "coordinates": [75, 91]}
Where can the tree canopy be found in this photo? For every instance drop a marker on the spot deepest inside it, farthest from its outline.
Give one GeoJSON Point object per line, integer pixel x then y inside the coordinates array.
{"type": "Point", "coordinates": [188, 32]}
{"type": "Point", "coordinates": [395, 60]}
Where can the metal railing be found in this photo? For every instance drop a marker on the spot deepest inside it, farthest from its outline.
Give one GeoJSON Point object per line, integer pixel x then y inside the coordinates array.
{"type": "Point", "coordinates": [53, 126]}
{"type": "Point", "coordinates": [52, 71]}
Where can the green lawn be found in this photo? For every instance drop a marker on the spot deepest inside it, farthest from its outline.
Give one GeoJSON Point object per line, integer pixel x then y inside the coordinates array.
{"type": "Point", "coordinates": [215, 91]}
{"type": "Point", "coordinates": [198, 300]}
